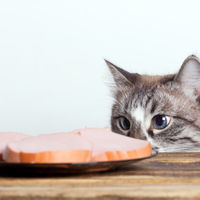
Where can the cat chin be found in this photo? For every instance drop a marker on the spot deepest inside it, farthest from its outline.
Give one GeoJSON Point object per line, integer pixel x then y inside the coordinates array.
{"type": "Point", "coordinates": [170, 150]}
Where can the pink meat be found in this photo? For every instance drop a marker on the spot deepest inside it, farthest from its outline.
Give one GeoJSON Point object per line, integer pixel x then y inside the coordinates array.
{"type": "Point", "coordinates": [103, 140]}
{"type": "Point", "coordinates": [51, 142]}
{"type": "Point", "coordinates": [7, 137]}
{"type": "Point", "coordinates": [102, 145]}
{"type": "Point", "coordinates": [48, 143]}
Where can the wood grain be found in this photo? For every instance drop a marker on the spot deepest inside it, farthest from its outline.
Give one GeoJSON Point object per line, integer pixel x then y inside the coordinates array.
{"type": "Point", "coordinates": [166, 176]}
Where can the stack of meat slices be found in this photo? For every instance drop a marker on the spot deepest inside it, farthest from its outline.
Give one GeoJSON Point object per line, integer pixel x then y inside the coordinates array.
{"type": "Point", "coordinates": [84, 145]}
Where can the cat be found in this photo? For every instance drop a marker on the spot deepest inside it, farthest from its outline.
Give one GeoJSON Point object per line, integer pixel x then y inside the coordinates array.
{"type": "Point", "coordinates": [165, 110]}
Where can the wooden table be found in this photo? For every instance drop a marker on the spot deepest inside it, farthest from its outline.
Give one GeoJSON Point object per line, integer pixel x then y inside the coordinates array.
{"type": "Point", "coordinates": [166, 176]}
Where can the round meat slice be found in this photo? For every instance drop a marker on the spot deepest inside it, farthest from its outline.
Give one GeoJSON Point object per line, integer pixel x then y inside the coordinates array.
{"type": "Point", "coordinates": [109, 146]}
{"type": "Point", "coordinates": [7, 137]}
{"type": "Point", "coordinates": [51, 148]}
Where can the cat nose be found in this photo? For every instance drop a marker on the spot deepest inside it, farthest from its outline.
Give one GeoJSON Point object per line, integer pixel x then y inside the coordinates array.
{"type": "Point", "coordinates": [138, 135]}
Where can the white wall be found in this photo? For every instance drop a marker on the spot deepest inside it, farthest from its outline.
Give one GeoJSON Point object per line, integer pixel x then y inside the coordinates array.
{"type": "Point", "coordinates": [52, 73]}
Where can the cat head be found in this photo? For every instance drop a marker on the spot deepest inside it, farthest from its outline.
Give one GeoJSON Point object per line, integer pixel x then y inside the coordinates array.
{"type": "Point", "coordinates": [165, 110]}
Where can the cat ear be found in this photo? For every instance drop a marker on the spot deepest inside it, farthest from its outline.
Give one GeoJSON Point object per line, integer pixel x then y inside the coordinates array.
{"type": "Point", "coordinates": [189, 74]}
{"type": "Point", "coordinates": [122, 78]}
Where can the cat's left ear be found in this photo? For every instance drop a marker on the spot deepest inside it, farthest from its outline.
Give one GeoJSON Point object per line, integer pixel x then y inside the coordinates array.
{"type": "Point", "coordinates": [189, 74]}
{"type": "Point", "coordinates": [122, 78]}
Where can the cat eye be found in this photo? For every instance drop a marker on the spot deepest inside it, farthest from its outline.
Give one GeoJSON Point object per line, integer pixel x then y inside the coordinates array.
{"type": "Point", "coordinates": [124, 123]}
{"type": "Point", "coordinates": [160, 122]}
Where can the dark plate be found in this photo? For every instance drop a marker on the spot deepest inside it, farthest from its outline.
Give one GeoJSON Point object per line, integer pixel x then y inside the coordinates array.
{"type": "Point", "coordinates": [58, 169]}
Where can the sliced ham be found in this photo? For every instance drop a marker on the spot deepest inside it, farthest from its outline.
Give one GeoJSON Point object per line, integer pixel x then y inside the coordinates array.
{"type": "Point", "coordinates": [109, 146]}
{"type": "Point", "coordinates": [7, 137]}
{"type": "Point", "coordinates": [78, 146]}
{"type": "Point", "coordinates": [51, 148]}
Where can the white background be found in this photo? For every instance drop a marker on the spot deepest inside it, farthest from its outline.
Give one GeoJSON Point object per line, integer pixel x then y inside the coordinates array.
{"type": "Point", "coordinates": [52, 74]}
